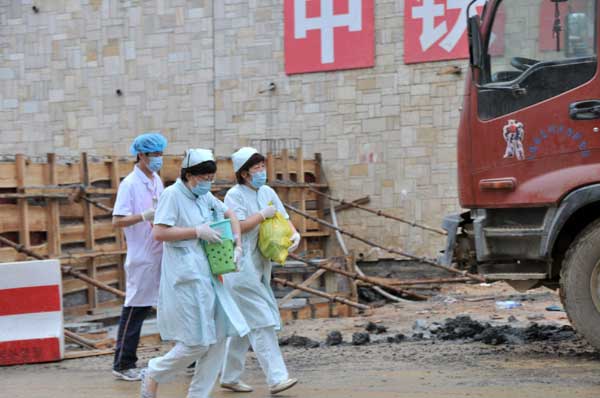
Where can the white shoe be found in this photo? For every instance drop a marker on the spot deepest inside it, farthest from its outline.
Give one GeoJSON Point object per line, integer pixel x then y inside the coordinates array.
{"type": "Point", "coordinates": [284, 385]}
{"type": "Point", "coordinates": [237, 387]}
{"type": "Point", "coordinates": [127, 374]}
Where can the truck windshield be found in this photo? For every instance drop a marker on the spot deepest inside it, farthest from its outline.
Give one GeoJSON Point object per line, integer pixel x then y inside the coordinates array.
{"type": "Point", "coordinates": [535, 50]}
{"type": "Point", "coordinates": [524, 33]}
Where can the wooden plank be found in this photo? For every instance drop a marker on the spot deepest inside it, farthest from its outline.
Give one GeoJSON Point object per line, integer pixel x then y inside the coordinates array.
{"type": "Point", "coordinates": [309, 167]}
{"type": "Point", "coordinates": [99, 171]}
{"type": "Point", "coordinates": [285, 165]}
{"type": "Point", "coordinates": [304, 313]}
{"type": "Point", "coordinates": [53, 215]}
{"type": "Point", "coordinates": [22, 204]}
{"type": "Point", "coordinates": [73, 210]}
{"type": "Point", "coordinates": [320, 201]}
{"type": "Point", "coordinates": [68, 173]}
{"type": "Point", "coordinates": [8, 175]}
{"type": "Point", "coordinates": [87, 353]}
{"type": "Point", "coordinates": [88, 216]}
{"type": "Point", "coordinates": [322, 310]}
{"type": "Point", "coordinates": [316, 234]}
{"type": "Point", "coordinates": [73, 285]}
{"type": "Point", "coordinates": [92, 291]}
{"type": "Point", "coordinates": [10, 220]}
{"type": "Point", "coordinates": [271, 175]}
{"type": "Point", "coordinates": [307, 283]}
{"type": "Point", "coordinates": [35, 174]}
{"type": "Point", "coordinates": [300, 179]}
{"type": "Point", "coordinates": [77, 232]}
{"type": "Point", "coordinates": [8, 254]}
{"type": "Point", "coordinates": [78, 263]}
{"type": "Point", "coordinates": [114, 183]}
{"type": "Point", "coordinates": [84, 309]}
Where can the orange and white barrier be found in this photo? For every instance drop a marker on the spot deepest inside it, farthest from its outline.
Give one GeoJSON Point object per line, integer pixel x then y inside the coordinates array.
{"type": "Point", "coordinates": [31, 318]}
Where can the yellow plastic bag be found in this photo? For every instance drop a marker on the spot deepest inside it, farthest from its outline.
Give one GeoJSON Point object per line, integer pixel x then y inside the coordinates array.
{"type": "Point", "coordinates": [274, 238]}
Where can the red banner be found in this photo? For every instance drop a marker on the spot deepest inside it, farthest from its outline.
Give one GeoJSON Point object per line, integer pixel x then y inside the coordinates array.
{"type": "Point", "coordinates": [322, 35]}
{"type": "Point", "coordinates": [436, 30]}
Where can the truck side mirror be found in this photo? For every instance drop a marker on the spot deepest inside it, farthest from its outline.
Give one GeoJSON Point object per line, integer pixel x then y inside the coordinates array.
{"type": "Point", "coordinates": [577, 34]}
{"type": "Point", "coordinates": [475, 44]}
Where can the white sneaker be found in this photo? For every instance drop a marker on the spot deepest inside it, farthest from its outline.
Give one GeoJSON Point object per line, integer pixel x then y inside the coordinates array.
{"type": "Point", "coordinates": [127, 374]}
{"type": "Point", "coordinates": [237, 387]}
{"type": "Point", "coordinates": [284, 385]}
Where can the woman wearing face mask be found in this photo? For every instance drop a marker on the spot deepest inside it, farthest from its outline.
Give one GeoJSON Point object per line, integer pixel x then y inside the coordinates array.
{"type": "Point", "coordinates": [194, 308]}
{"type": "Point", "coordinates": [253, 202]}
{"type": "Point", "coordinates": [134, 211]}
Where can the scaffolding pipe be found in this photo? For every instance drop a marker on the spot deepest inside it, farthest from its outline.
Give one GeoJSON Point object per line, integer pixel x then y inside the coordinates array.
{"type": "Point", "coordinates": [388, 249]}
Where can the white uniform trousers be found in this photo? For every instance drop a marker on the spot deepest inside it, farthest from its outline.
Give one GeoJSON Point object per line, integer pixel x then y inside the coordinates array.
{"type": "Point", "coordinates": [208, 360]}
{"type": "Point", "coordinates": [266, 347]}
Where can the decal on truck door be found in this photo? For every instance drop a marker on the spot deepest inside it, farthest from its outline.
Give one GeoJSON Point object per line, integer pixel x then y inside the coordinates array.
{"type": "Point", "coordinates": [513, 134]}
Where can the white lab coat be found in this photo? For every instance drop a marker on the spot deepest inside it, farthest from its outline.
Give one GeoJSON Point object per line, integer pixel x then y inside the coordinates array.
{"type": "Point", "coordinates": [193, 306]}
{"type": "Point", "coordinates": [251, 287]}
{"type": "Point", "coordinates": [136, 194]}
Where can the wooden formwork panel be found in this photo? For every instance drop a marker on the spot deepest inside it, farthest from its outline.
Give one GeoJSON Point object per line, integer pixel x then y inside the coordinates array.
{"type": "Point", "coordinates": [109, 276]}
{"type": "Point", "coordinates": [78, 232]}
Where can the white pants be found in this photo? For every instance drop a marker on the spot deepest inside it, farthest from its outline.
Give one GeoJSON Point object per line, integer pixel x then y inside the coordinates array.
{"type": "Point", "coordinates": [266, 347]}
{"type": "Point", "coordinates": [208, 363]}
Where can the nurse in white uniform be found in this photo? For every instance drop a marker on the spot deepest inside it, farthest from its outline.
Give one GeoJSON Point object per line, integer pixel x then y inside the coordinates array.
{"type": "Point", "coordinates": [194, 308]}
{"type": "Point", "coordinates": [250, 199]}
{"type": "Point", "coordinates": [134, 211]}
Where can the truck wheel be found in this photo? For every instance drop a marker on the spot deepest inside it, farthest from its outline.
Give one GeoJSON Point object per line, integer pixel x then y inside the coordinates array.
{"type": "Point", "coordinates": [580, 283]}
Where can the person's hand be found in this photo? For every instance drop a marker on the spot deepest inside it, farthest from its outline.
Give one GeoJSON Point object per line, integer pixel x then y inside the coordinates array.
{"type": "Point", "coordinates": [205, 232]}
{"type": "Point", "coordinates": [295, 242]}
{"type": "Point", "coordinates": [268, 212]}
{"type": "Point", "coordinates": [148, 215]}
{"type": "Point", "coordinates": [237, 256]}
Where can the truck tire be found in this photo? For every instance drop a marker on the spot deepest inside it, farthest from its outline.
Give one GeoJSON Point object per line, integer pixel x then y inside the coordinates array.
{"type": "Point", "coordinates": [580, 283]}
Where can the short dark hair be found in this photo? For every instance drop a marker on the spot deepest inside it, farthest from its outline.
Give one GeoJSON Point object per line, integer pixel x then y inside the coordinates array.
{"type": "Point", "coordinates": [254, 159]}
{"type": "Point", "coordinates": [208, 167]}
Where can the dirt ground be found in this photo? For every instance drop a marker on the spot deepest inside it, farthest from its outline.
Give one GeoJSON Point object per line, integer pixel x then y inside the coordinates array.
{"type": "Point", "coordinates": [381, 369]}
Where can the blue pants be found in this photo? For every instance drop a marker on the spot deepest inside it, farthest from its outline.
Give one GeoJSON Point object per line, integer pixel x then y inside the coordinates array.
{"type": "Point", "coordinates": [128, 336]}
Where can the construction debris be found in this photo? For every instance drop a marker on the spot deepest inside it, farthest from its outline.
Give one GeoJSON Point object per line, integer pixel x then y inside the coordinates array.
{"type": "Point", "coordinates": [334, 338]}
{"type": "Point", "coordinates": [361, 338]}
{"type": "Point", "coordinates": [388, 249]}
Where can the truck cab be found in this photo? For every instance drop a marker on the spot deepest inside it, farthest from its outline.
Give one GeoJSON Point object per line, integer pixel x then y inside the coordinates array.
{"type": "Point", "coordinates": [529, 152]}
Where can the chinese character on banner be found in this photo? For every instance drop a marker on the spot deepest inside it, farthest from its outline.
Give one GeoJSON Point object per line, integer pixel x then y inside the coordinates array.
{"type": "Point", "coordinates": [436, 30]}
{"type": "Point", "coordinates": [322, 35]}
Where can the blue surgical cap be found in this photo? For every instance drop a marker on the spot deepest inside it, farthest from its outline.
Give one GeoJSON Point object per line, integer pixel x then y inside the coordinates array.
{"type": "Point", "coordinates": [149, 142]}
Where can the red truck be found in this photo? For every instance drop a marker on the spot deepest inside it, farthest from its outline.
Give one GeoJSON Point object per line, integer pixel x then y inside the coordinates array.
{"type": "Point", "coordinates": [529, 152]}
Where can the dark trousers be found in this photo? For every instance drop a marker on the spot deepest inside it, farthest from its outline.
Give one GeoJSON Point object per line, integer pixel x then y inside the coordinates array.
{"type": "Point", "coordinates": [128, 337]}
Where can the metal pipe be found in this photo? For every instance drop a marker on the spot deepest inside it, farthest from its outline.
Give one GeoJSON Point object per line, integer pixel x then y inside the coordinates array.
{"type": "Point", "coordinates": [428, 281]}
{"type": "Point", "coordinates": [316, 292]}
{"type": "Point", "coordinates": [377, 212]}
{"type": "Point", "coordinates": [342, 244]}
{"type": "Point", "coordinates": [355, 275]}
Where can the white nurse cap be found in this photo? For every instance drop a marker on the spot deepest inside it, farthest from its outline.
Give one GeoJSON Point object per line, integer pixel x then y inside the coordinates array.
{"type": "Point", "coordinates": [240, 157]}
{"type": "Point", "coordinates": [196, 156]}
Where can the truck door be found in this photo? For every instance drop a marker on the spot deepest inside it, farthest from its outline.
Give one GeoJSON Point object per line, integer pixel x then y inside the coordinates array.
{"type": "Point", "coordinates": [535, 107]}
